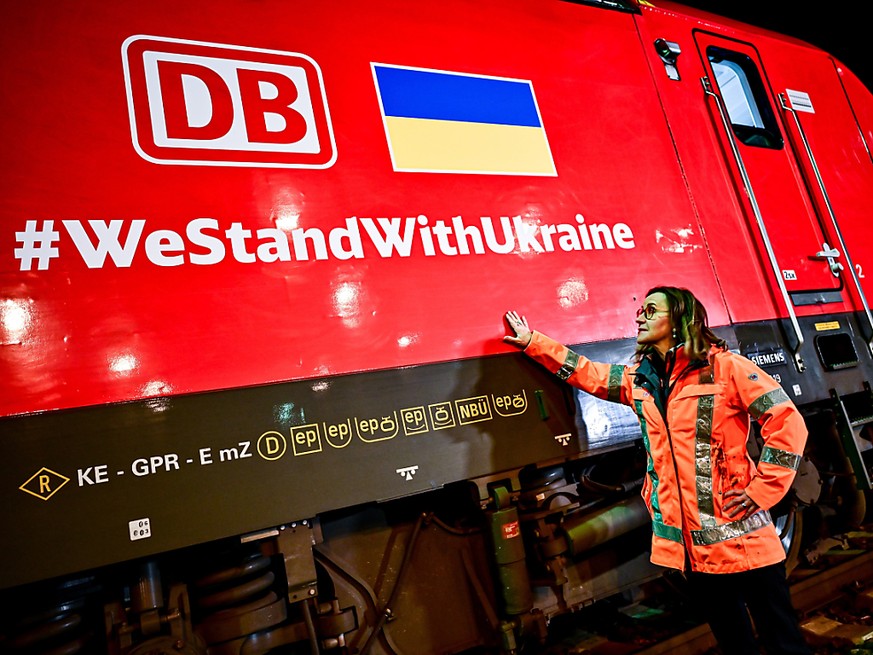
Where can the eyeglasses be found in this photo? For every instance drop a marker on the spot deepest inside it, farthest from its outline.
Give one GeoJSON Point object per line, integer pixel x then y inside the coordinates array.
{"type": "Point", "coordinates": [650, 312]}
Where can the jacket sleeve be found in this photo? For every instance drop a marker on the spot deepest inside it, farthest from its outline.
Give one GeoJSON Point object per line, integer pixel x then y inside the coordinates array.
{"type": "Point", "coordinates": [782, 429]}
{"type": "Point", "coordinates": [606, 381]}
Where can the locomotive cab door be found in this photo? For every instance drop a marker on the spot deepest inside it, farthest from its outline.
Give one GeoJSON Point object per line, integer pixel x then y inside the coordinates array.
{"type": "Point", "coordinates": [767, 169]}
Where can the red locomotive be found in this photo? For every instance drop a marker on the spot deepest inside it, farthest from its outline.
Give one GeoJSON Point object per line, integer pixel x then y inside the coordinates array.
{"type": "Point", "coordinates": [253, 262]}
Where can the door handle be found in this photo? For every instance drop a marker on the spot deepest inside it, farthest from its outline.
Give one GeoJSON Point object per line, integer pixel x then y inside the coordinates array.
{"type": "Point", "coordinates": [831, 255]}
{"type": "Point", "coordinates": [788, 109]}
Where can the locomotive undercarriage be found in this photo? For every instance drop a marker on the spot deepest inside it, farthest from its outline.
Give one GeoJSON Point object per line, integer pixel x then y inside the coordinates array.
{"type": "Point", "coordinates": [541, 558]}
{"type": "Point", "coordinates": [429, 573]}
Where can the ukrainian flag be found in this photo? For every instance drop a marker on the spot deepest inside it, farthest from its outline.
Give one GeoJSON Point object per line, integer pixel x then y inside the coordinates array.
{"type": "Point", "coordinates": [444, 122]}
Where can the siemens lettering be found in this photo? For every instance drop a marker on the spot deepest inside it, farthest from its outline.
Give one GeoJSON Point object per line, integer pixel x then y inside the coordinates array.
{"type": "Point", "coordinates": [775, 358]}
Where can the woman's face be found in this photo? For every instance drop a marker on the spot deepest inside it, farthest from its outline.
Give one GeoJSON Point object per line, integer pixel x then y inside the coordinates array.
{"type": "Point", "coordinates": [656, 331]}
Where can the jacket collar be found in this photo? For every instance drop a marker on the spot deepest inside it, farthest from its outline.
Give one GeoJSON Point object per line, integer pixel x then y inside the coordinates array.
{"type": "Point", "coordinates": [651, 367]}
{"type": "Point", "coordinates": [659, 379]}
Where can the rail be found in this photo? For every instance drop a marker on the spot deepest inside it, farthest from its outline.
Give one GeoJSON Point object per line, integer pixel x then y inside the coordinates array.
{"type": "Point", "coordinates": [747, 183]}
{"type": "Point", "coordinates": [827, 201]}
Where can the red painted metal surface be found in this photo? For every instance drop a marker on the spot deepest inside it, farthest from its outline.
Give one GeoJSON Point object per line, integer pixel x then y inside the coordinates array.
{"type": "Point", "coordinates": [791, 204]}
{"type": "Point", "coordinates": [195, 315]}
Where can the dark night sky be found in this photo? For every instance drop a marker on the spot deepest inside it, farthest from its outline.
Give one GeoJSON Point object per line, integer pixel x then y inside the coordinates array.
{"type": "Point", "coordinates": [837, 27]}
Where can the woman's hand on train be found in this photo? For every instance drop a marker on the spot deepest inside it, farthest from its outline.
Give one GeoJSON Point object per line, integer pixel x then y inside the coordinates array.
{"type": "Point", "coordinates": [738, 504]}
{"type": "Point", "coordinates": [518, 324]}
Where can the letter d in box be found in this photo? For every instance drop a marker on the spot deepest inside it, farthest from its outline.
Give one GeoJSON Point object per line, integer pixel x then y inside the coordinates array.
{"type": "Point", "coordinates": [219, 105]}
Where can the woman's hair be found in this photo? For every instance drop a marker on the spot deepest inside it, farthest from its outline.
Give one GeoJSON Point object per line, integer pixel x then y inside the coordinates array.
{"type": "Point", "coordinates": [688, 316]}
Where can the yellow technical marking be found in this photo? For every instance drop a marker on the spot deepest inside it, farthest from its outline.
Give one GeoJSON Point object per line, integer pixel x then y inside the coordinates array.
{"type": "Point", "coordinates": [510, 405]}
{"type": "Point", "coordinates": [830, 325]}
{"type": "Point", "coordinates": [414, 420]}
{"type": "Point", "coordinates": [377, 429]}
{"type": "Point", "coordinates": [46, 482]}
{"type": "Point", "coordinates": [473, 410]}
{"type": "Point", "coordinates": [338, 435]}
{"type": "Point", "coordinates": [272, 445]}
{"type": "Point", "coordinates": [306, 439]}
{"type": "Point", "coordinates": [442, 416]}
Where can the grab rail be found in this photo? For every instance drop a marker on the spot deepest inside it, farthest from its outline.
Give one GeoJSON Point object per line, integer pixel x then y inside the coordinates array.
{"type": "Point", "coordinates": [827, 200]}
{"type": "Point", "coordinates": [798, 360]}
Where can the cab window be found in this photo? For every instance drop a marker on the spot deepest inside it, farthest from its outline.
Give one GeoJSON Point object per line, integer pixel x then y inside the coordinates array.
{"type": "Point", "coordinates": [745, 98]}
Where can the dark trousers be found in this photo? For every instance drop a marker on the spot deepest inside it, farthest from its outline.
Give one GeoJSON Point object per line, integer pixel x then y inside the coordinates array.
{"type": "Point", "coordinates": [724, 599]}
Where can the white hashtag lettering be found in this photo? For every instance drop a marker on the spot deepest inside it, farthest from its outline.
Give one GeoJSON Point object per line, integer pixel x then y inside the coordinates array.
{"type": "Point", "coordinates": [37, 243]}
{"type": "Point", "coordinates": [204, 241]}
{"type": "Point", "coordinates": [108, 242]}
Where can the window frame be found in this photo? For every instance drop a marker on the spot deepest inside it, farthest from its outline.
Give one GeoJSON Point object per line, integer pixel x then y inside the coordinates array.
{"type": "Point", "coordinates": [754, 96]}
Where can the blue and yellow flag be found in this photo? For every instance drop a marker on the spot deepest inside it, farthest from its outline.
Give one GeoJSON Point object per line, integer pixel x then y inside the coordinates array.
{"type": "Point", "coordinates": [445, 122]}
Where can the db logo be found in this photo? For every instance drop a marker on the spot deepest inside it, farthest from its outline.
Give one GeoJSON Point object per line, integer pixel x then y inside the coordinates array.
{"type": "Point", "coordinates": [222, 105]}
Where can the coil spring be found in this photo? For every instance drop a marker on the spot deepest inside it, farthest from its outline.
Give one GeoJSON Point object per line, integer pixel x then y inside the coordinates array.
{"type": "Point", "coordinates": [58, 621]}
{"type": "Point", "coordinates": [238, 601]}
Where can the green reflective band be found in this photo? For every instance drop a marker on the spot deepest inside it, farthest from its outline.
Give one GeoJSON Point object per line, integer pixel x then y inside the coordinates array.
{"type": "Point", "coordinates": [765, 402]}
{"type": "Point", "coordinates": [666, 531]}
{"type": "Point", "coordinates": [782, 458]}
{"type": "Point", "coordinates": [719, 533]}
{"type": "Point", "coordinates": [650, 464]}
{"type": "Point", "coordinates": [644, 429]}
{"type": "Point", "coordinates": [613, 389]}
{"type": "Point", "coordinates": [569, 365]}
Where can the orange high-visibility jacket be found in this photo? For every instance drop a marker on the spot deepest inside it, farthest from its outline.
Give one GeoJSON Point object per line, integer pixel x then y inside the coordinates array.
{"type": "Point", "coordinates": [697, 450]}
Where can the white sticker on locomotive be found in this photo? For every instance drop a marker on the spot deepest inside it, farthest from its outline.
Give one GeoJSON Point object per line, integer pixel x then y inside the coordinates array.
{"type": "Point", "coordinates": [139, 529]}
{"type": "Point", "coordinates": [789, 274]}
{"type": "Point", "coordinates": [800, 101]}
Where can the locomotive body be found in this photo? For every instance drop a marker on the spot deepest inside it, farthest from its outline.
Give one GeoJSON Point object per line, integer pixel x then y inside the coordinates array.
{"type": "Point", "coordinates": [254, 261]}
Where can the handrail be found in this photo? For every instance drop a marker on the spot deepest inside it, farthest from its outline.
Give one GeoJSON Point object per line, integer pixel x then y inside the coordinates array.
{"type": "Point", "coordinates": [798, 360]}
{"type": "Point", "coordinates": [827, 200]}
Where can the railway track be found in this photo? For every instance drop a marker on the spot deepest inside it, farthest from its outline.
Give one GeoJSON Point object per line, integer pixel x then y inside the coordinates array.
{"type": "Point", "coordinates": [834, 597]}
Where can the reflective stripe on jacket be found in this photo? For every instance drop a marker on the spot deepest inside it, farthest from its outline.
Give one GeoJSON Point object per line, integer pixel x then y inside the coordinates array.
{"type": "Point", "coordinates": [697, 450]}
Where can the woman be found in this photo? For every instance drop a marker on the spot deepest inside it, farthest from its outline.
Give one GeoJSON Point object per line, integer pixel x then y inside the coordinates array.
{"type": "Point", "coordinates": [707, 497]}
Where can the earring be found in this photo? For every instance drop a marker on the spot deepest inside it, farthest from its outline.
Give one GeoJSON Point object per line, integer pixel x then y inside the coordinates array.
{"type": "Point", "coordinates": [674, 333]}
